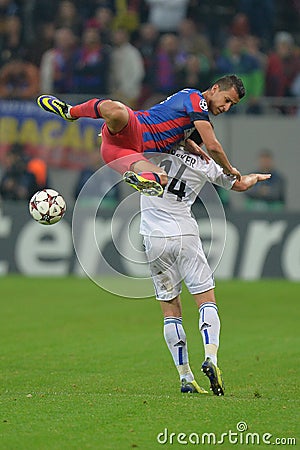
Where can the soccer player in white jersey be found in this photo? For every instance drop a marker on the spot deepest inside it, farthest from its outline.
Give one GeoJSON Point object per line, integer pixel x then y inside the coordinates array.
{"type": "Point", "coordinates": [174, 251]}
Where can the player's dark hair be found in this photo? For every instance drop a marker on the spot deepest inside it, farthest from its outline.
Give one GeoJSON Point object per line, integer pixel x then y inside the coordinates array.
{"type": "Point", "coordinates": [229, 81]}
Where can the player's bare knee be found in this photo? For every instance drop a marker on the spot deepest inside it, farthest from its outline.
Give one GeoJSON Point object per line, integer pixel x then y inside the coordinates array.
{"type": "Point", "coordinates": [115, 115]}
{"type": "Point", "coordinates": [111, 109]}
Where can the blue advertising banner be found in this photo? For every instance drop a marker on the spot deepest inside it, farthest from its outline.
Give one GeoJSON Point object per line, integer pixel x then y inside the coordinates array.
{"type": "Point", "coordinates": [59, 143]}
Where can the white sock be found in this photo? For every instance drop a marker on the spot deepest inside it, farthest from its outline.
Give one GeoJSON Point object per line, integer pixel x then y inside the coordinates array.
{"type": "Point", "coordinates": [176, 341]}
{"type": "Point", "coordinates": [68, 114]}
{"type": "Point", "coordinates": [209, 326]}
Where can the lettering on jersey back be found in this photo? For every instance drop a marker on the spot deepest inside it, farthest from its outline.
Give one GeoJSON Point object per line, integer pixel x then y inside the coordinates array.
{"type": "Point", "coordinates": [188, 158]}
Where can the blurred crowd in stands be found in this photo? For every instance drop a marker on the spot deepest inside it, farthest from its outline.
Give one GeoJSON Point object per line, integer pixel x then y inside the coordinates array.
{"type": "Point", "coordinates": [22, 176]}
{"type": "Point", "coordinates": [140, 51]}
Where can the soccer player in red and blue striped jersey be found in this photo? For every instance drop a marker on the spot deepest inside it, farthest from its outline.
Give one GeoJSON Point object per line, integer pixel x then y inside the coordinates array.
{"type": "Point", "coordinates": [127, 134]}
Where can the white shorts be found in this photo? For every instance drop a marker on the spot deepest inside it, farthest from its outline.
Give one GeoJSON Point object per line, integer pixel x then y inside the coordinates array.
{"type": "Point", "coordinates": [176, 259]}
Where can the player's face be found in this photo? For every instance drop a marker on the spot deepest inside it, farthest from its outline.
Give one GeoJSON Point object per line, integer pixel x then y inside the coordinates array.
{"type": "Point", "coordinates": [222, 101]}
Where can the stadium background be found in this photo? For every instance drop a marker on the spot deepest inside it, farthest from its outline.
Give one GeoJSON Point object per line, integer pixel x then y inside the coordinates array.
{"type": "Point", "coordinates": [93, 364]}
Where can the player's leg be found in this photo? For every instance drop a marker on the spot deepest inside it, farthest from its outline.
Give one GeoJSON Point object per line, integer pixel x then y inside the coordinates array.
{"type": "Point", "coordinates": [124, 153]}
{"type": "Point", "coordinates": [176, 341]}
{"type": "Point", "coordinates": [209, 326]}
{"type": "Point", "coordinates": [123, 130]}
{"type": "Point", "coordinates": [209, 323]}
{"type": "Point", "coordinates": [117, 116]}
{"type": "Point", "coordinates": [200, 282]}
{"type": "Point", "coordinates": [167, 287]}
{"type": "Point", "coordinates": [130, 164]}
{"type": "Point", "coordinates": [114, 113]}
{"type": "Point", "coordinates": [142, 171]}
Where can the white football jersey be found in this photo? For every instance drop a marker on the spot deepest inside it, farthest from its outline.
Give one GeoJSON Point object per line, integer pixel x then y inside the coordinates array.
{"type": "Point", "coordinates": [170, 215]}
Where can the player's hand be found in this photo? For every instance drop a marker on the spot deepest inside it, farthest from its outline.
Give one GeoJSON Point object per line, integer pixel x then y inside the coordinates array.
{"type": "Point", "coordinates": [263, 176]}
{"type": "Point", "coordinates": [195, 149]}
{"type": "Point", "coordinates": [233, 172]}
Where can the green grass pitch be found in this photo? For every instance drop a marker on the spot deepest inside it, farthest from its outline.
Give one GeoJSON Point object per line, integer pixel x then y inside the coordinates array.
{"type": "Point", "coordinates": [83, 369]}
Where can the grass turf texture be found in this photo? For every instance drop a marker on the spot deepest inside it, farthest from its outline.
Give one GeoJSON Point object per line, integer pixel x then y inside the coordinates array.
{"type": "Point", "coordinates": [83, 369]}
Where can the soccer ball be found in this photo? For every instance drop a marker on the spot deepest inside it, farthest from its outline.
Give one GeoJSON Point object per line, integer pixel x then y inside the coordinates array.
{"type": "Point", "coordinates": [47, 206]}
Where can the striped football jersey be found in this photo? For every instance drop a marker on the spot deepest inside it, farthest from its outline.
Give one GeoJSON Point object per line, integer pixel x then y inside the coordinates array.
{"type": "Point", "coordinates": [172, 120]}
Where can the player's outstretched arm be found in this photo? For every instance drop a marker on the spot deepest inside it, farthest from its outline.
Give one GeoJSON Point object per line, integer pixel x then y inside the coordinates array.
{"type": "Point", "coordinates": [214, 147]}
{"type": "Point", "coordinates": [248, 181]}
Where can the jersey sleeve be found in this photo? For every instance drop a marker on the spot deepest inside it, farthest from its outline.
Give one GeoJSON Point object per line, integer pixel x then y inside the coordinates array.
{"type": "Point", "coordinates": [196, 107]}
{"type": "Point", "coordinates": [216, 175]}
